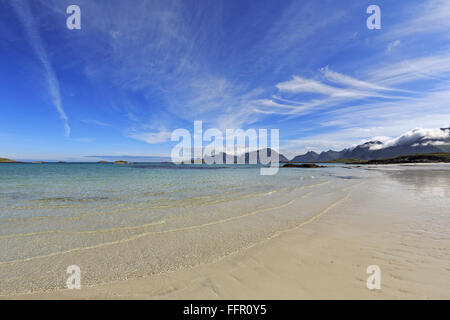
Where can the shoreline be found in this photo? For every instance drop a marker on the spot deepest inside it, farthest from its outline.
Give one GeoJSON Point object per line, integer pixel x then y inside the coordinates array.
{"type": "Point", "coordinates": [325, 258]}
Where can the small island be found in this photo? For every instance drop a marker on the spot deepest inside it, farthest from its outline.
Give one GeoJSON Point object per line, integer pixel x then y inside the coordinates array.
{"type": "Point", "coordinates": [6, 160]}
{"type": "Point", "coordinates": [121, 162]}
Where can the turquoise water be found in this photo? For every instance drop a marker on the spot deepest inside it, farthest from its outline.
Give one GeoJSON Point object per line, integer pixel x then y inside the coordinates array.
{"type": "Point", "coordinates": [64, 190]}
{"type": "Point", "coordinates": [146, 218]}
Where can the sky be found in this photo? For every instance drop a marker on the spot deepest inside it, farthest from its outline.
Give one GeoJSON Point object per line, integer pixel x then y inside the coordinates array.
{"type": "Point", "coordinates": [137, 70]}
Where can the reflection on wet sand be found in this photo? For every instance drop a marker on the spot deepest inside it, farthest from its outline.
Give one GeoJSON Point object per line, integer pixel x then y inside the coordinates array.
{"type": "Point", "coordinates": [431, 179]}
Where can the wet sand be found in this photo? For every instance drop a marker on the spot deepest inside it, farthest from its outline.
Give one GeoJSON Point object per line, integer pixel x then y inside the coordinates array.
{"type": "Point", "coordinates": [399, 221]}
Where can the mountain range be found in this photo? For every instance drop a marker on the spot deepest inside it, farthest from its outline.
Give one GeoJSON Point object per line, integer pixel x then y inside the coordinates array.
{"type": "Point", "coordinates": [416, 141]}
{"type": "Point", "coordinates": [245, 157]}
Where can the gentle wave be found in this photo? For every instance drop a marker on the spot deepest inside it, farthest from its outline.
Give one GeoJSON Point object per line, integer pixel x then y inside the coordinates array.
{"type": "Point", "coordinates": [30, 234]}
{"type": "Point", "coordinates": [158, 232]}
{"type": "Point", "coordinates": [160, 203]}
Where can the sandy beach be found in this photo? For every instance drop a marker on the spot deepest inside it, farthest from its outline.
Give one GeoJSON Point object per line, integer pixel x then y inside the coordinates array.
{"type": "Point", "coordinates": [326, 256]}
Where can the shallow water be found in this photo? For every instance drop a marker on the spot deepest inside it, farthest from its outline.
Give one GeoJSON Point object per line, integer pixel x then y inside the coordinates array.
{"type": "Point", "coordinates": [121, 221]}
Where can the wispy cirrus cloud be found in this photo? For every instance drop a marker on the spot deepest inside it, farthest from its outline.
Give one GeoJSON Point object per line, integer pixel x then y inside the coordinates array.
{"type": "Point", "coordinates": [186, 59]}
{"type": "Point", "coordinates": [343, 79]}
{"type": "Point", "coordinates": [329, 89]}
{"type": "Point", "coordinates": [428, 17]}
{"type": "Point", "coordinates": [299, 84]}
{"type": "Point", "coordinates": [362, 122]}
{"type": "Point", "coordinates": [435, 66]}
{"type": "Point", "coordinates": [152, 137]}
{"type": "Point", "coordinates": [27, 19]}
{"type": "Point", "coordinates": [352, 87]}
{"type": "Point", "coordinates": [391, 94]}
{"type": "Point", "coordinates": [392, 45]}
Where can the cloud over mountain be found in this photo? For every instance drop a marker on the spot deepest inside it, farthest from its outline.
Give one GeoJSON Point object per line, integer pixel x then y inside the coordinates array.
{"type": "Point", "coordinates": [412, 142]}
{"type": "Point", "coordinates": [416, 137]}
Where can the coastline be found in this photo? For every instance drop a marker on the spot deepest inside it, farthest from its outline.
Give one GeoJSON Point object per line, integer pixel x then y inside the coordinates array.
{"type": "Point", "coordinates": [325, 258]}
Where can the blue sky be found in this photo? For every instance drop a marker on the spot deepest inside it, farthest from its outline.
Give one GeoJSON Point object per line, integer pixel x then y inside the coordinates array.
{"type": "Point", "coordinates": [135, 72]}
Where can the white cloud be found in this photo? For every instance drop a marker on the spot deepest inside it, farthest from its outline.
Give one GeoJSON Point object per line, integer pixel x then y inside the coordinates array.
{"type": "Point", "coordinates": [27, 19]}
{"type": "Point", "coordinates": [343, 79]}
{"type": "Point", "coordinates": [299, 84]}
{"type": "Point", "coordinates": [351, 137]}
{"type": "Point", "coordinates": [152, 137]}
{"type": "Point", "coordinates": [435, 136]}
{"type": "Point", "coordinates": [392, 45]}
{"type": "Point", "coordinates": [430, 67]}
{"type": "Point", "coordinates": [350, 89]}
{"type": "Point", "coordinates": [429, 17]}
